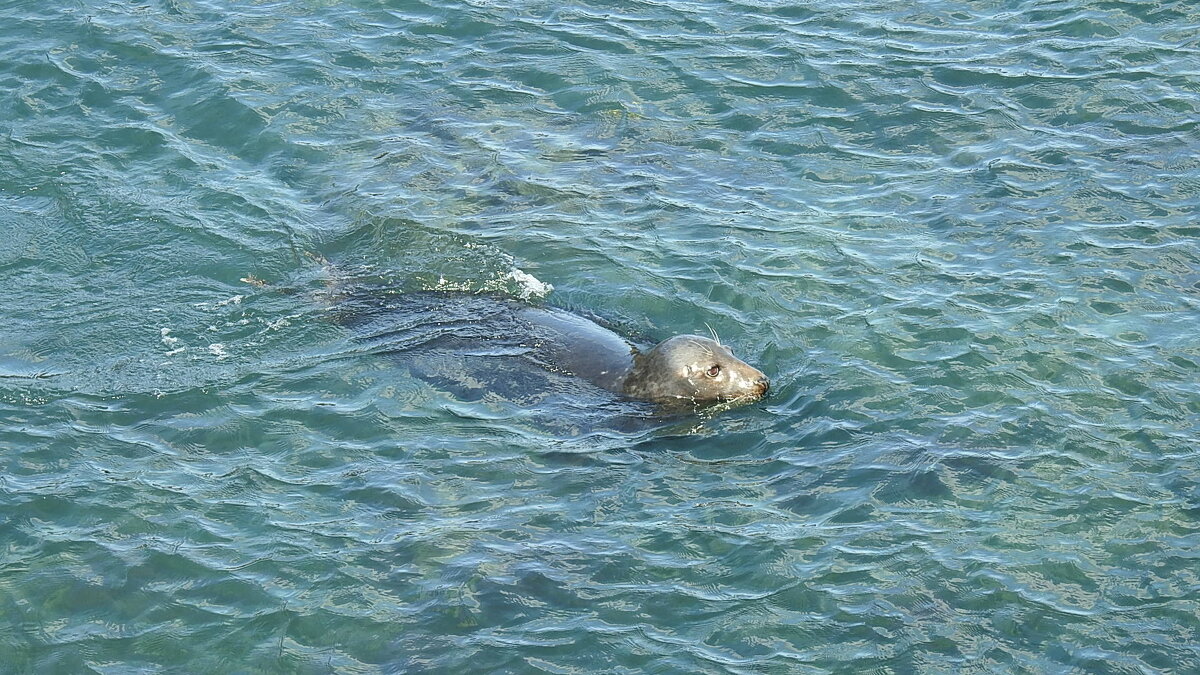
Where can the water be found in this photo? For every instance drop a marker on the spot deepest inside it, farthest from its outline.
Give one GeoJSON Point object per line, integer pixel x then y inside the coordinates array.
{"type": "Point", "coordinates": [961, 238]}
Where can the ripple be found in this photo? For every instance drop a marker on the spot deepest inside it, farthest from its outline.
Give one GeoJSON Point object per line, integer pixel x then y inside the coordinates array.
{"type": "Point", "coordinates": [958, 237]}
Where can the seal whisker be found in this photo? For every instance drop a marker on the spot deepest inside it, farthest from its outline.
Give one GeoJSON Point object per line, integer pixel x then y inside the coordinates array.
{"type": "Point", "coordinates": [712, 332]}
{"type": "Point", "coordinates": [702, 347]}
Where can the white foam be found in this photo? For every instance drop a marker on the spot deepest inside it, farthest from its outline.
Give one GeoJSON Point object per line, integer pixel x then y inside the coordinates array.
{"type": "Point", "coordinates": [529, 285]}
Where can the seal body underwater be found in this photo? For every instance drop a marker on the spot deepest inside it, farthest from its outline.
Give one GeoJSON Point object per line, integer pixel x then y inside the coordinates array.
{"type": "Point", "coordinates": [480, 343]}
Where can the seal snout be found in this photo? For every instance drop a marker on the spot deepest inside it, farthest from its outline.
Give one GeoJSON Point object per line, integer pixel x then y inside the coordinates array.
{"type": "Point", "coordinates": [761, 385]}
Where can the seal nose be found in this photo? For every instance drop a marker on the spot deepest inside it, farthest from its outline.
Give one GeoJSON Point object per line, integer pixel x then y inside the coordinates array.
{"type": "Point", "coordinates": [763, 384]}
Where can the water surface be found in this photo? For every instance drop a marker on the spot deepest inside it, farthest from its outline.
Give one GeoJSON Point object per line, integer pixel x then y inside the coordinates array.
{"type": "Point", "coordinates": [959, 236]}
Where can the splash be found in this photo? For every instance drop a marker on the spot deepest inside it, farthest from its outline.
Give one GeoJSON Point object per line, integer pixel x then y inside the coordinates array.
{"type": "Point", "coordinates": [530, 285]}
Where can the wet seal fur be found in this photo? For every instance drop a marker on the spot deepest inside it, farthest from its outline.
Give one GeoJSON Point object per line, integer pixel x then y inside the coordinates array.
{"type": "Point", "coordinates": [682, 371]}
{"type": "Point", "coordinates": [684, 368]}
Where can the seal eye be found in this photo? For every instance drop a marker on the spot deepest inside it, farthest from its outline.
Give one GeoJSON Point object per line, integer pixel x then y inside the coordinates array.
{"type": "Point", "coordinates": [713, 371]}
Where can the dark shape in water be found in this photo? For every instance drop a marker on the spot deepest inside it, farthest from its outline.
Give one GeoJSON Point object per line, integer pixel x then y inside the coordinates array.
{"type": "Point", "coordinates": [479, 343]}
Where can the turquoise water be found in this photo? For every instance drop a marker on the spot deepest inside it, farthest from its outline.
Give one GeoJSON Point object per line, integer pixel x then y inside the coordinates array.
{"type": "Point", "coordinates": [961, 238]}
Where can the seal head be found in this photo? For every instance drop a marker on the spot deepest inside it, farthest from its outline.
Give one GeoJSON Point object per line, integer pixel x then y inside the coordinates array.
{"type": "Point", "coordinates": [694, 369]}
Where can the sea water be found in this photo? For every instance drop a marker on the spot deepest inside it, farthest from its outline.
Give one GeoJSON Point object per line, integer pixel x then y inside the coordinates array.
{"type": "Point", "coordinates": [960, 237]}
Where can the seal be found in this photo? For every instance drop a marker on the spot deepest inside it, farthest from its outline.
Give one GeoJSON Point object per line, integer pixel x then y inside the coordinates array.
{"type": "Point", "coordinates": [684, 368]}
{"type": "Point", "coordinates": [494, 333]}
